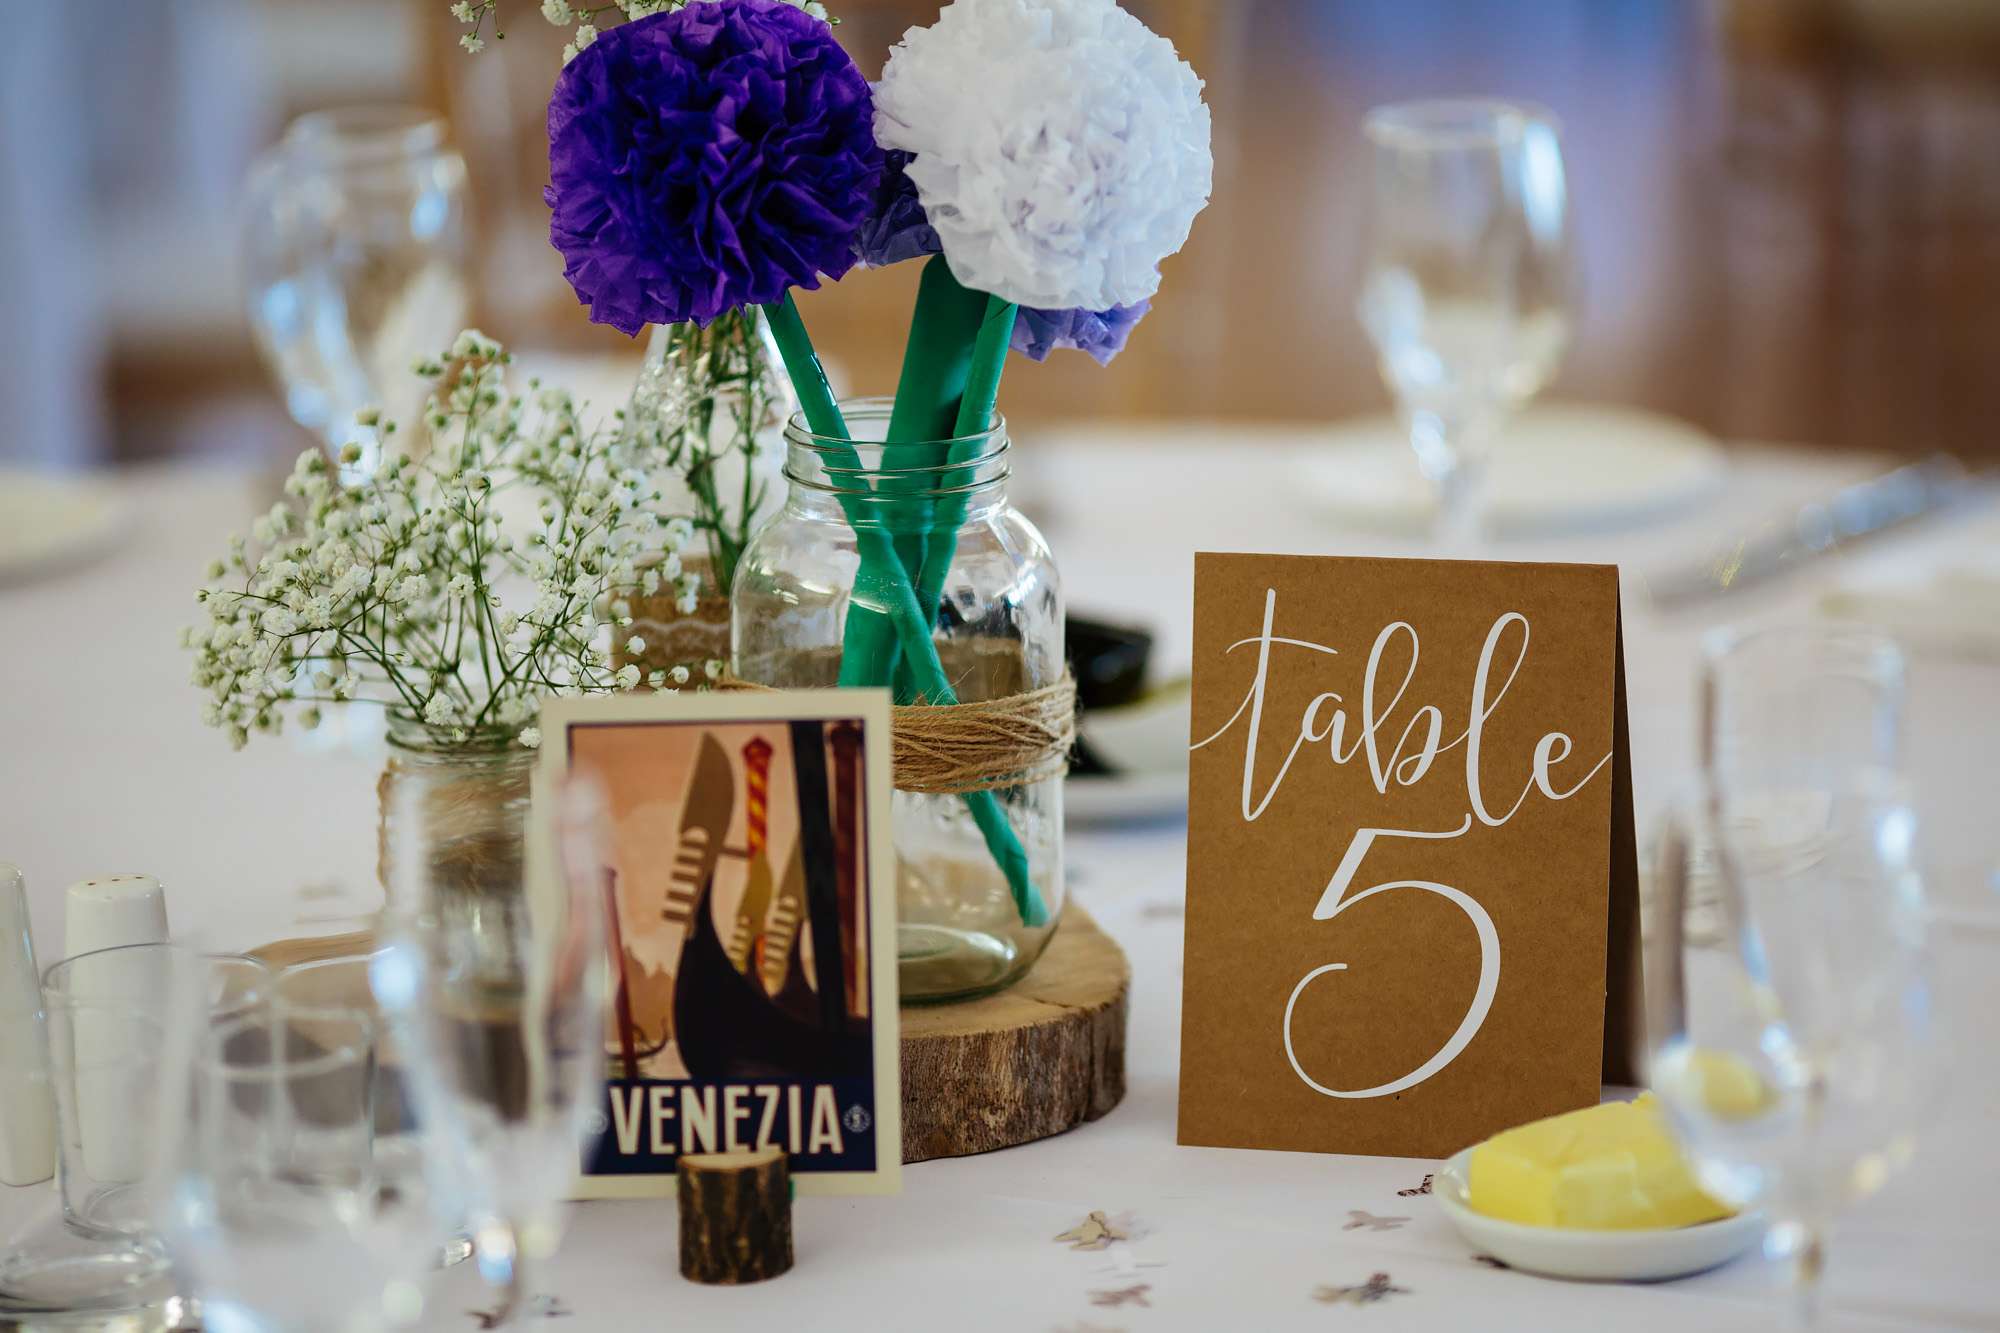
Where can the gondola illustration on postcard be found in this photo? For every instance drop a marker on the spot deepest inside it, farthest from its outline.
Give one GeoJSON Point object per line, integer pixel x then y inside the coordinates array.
{"type": "Point", "coordinates": [753, 973]}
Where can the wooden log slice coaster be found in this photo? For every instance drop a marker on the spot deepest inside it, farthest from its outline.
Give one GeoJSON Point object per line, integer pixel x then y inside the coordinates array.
{"type": "Point", "coordinates": [736, 1216]}
{"type": "Point", "coordinates": [1039, 1058]}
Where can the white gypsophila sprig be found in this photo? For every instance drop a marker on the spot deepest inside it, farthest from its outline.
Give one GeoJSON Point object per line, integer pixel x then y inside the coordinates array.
{"type": "Point", "coordinates": [1062, 148]}
{"type": "Point", "coordinates": [394, 590]}
{"type": "Point", "coordinates": [589, 18]}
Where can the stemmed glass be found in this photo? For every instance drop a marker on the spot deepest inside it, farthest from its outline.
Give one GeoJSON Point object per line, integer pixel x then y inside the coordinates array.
{"type": "Point", "coordinates": [354, 258]}
{"type": "Point", "coordinates": [497, 994]}
{"type": "Point", "coordinates": [1790, 1019]}
{"type": "Point", "coordinates": [1467, 280]}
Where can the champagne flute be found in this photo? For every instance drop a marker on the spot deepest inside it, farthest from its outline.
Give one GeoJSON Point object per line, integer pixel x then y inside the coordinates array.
{"type": "Point", "coordinates": [497, 996]}
{"type": "Point", "coordinates": [1467, 280]}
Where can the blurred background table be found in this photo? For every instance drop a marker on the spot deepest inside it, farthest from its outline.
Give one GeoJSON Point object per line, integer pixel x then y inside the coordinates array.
{"type": "Point", "coordinates": [1787, 211]}
{"type": "Point", "coordinates": [107, 767]}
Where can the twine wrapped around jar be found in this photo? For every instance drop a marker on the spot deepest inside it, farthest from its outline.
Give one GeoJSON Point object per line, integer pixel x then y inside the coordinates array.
{"type": "Point", "coordinates": [982, 746]}
{"type": "Point", "coordinates": [674, 638]}
{"type": "Point", "coordinates": [992, 744]}
{"type": "Point", "coordinates": [470, 808]}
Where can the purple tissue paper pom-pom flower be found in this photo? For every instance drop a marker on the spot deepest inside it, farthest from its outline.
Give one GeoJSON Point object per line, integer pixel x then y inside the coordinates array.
{"type": "Point", "coordinates": [898, 230]}
{"type": "Point", "coordinates": [707, 159]}
{"type": "Point", "coordinates": [1102, 333]}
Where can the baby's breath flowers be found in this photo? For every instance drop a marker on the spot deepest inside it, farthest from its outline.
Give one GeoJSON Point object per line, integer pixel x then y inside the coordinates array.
{"type": "Point", "coordinates": [589, 19]}
{"type": "Point", "coordinates": [457, 590]}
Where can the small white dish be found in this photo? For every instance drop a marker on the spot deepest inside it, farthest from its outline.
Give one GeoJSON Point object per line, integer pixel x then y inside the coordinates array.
{"type": "Point", "coordinates": [1146, 745]}
{"type": "Point", "coordinates": [1594, 1256]}
{"type": "Point", "coordinates": [1118, 798]}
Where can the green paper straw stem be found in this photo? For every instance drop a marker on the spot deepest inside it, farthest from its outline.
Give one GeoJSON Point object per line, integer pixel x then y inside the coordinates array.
{"type": "Point", "coordinates": [936, 361]}
{"type": "Point", "coordinates": [892, 595]}
{"type": "Point", "coordinates": [975, 417]}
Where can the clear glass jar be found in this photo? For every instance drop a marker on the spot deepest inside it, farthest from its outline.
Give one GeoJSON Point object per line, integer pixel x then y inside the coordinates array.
{"type": "Point", "coordinates": [711, 405]}
{"type": "Point", "coordinates": [459, 814]}
{"type": "Point", "coordinates": [998, 632]}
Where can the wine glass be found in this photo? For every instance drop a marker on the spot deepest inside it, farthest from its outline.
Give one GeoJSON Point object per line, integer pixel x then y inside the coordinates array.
{"type": "Point", "coordinates": [282, 1213]}
{"type": "Point", "coordinates": [1467, 276]}
{"type": "Point", "coordinates": [497, 994]}
{"type": "Point", "coordinates": [1790, 1018]}
{"type": "Point", "coordinates": [354, 259]}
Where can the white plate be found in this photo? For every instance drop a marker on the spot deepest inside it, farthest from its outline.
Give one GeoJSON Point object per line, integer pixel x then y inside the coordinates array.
{"type": "Point", "coordinates": [1559, 467]}
{"type": "Point", "coordinates": [1124, 798]}
{"type": "Point", "coordinates": [1147, 742]}
{"type": "Point", "coordinates": [1595, 1256]}
{"type": "Point", "coordinates": [49, 521]}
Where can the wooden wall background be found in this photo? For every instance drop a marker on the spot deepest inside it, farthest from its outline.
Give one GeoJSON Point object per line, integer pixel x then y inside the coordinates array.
{"type": "Point", "coordinates": [1788, 210]}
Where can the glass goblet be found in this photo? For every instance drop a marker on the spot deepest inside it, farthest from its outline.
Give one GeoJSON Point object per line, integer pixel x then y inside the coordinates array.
{"type": "Point", "coordinates": [1466, 280]}
{"type": "Point", "coordinates": [354, 258]}
{"type": "Point", "coordinates": [1792, 1033]}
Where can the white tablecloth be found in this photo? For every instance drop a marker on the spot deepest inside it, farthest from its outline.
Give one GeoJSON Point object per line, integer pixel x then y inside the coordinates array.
{"type": "Point", "coordinates": [104, 766]}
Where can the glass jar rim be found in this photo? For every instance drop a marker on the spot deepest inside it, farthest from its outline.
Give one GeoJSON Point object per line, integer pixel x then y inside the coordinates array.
{"type": "Point", "coordinates": [875, 407]}
{"type": "Point", "coordinates": [406, 733]}
{"type": "Point", "coordinates": [275, 1066]}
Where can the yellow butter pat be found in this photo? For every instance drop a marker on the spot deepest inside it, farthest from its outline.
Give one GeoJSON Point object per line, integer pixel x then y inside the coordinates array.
{"type": "Point", "coordinates": [1614, 1167]}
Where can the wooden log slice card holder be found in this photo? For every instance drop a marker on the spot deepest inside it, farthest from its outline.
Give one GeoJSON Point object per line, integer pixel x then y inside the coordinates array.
{"type": "Point", "coordinates": [736, 1216]}
{"type": "Point", "coordinates": [1044, 1056]}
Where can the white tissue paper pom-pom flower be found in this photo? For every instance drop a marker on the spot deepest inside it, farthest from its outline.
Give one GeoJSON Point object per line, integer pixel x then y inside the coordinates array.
{"type": "Point", "coordinates": [1062, 147]}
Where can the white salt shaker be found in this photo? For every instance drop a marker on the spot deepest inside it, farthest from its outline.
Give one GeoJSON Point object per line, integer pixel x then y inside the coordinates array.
{"type": "Point", "coordinates": [27, 1108]}
{"type": "Point", "coordinates": [111, 910]}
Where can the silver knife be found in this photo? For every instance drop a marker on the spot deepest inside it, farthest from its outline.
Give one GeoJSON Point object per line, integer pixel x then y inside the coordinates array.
{"type": "Point", "coordinates": [1911, 494]}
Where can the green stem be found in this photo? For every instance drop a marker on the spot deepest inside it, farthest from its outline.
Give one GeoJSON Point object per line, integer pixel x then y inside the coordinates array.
{"type": "Point", "coordinates": [882, 587]}
{"type": "Point", "coordinates": [975, 418]}
{"type": "Point", "coordinates": [936, 361]}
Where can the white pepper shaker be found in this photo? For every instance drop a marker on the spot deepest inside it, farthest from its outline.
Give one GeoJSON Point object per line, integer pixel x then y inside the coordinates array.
{"type": "Point", "coordinates": [112, 910]}
{"type": "Point", "coordinates": [27, 1108]}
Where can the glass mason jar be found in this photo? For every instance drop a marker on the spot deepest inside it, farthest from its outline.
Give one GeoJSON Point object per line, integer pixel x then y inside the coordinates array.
{"type": "Point", "coordinates": [709, 404]}
{"type": "Point", "coordinates": [998, 632]}
{"type": "Point", "coordinates": [454, 824]}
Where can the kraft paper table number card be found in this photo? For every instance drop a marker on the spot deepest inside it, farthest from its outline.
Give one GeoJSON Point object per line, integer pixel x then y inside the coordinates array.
{"type": "Point", "coordinates": [752, 996]}
{"type": "Point", "coordinates": [1412, 891]}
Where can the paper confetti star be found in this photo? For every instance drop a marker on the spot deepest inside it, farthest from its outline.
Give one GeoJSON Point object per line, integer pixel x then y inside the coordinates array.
{"type": "Point", "coordinates": [1358, 1218]}
{"type": "Point", "coordinates": [1376, 1288]}
{"type": "Point", "coordinates": [1132, 1295]}
{"type": "Point", "coordinates": [543, 1306]}
{"type": "Point", "coordinates": [1415, 1190]}
{"type": "Point", "coordinates": [1095, 1232]}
